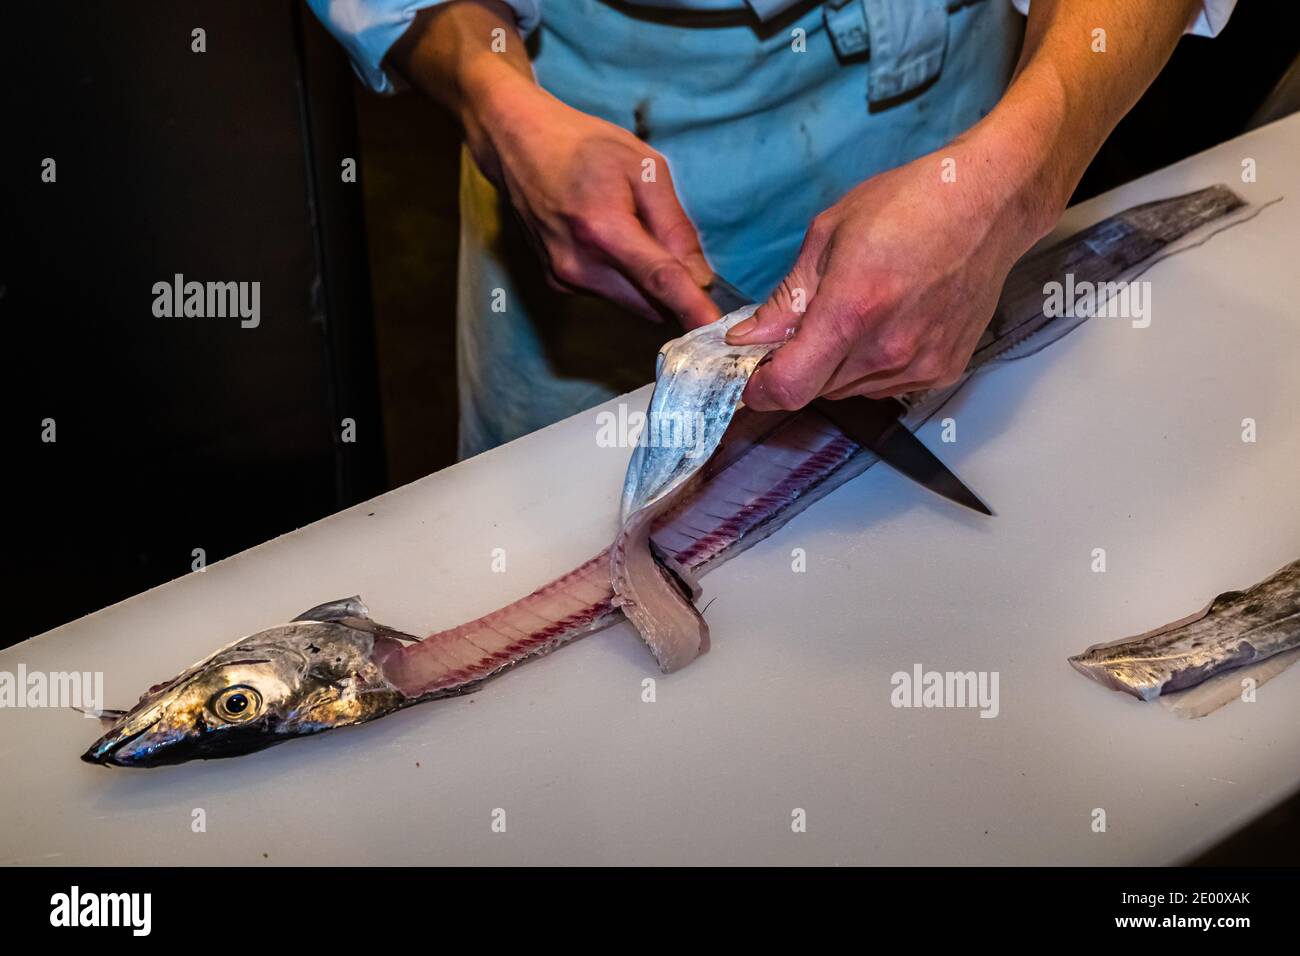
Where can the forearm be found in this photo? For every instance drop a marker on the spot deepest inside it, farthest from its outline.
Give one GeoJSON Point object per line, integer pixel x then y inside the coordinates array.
{"type": "Point", "coordinates": [1067, 96]}
{"type": "Point", "coordinates": [448, 54]}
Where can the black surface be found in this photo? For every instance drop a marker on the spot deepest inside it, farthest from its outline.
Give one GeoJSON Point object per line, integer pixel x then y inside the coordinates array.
{"type": "Point", "coordinates": [1204, 95]}
{"type": "Point", "coordinates": [931, 906]}
{"type": "Point", "coordinates": [1273, 839]}
{"type": "Point", "coordinates": [175, 433]}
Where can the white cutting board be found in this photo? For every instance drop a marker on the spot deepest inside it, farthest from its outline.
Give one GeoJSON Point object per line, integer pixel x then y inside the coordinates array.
{"type": "Point", "coordinates": [1114, 437]}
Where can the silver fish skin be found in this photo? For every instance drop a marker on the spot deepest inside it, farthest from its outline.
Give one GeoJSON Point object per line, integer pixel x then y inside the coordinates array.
{"type": "Point", "coordinates": [1238, 628]}
{"type": "Point", "coordinates": [700, 376]}
{"type": "Point", "coordinates": [699, 379]}
{"type": "Point", "coordinates": [321, 671]}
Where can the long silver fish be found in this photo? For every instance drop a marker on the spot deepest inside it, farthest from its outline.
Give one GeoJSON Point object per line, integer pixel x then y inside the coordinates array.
{"type": "Point", "coordinates": [1237, 629]}
{"type": "Point", "coordinates": [685, 510]}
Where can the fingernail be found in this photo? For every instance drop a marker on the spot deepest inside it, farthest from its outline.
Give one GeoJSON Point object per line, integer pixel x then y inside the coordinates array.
{"type": "Point", "coordinates": [741, 329]}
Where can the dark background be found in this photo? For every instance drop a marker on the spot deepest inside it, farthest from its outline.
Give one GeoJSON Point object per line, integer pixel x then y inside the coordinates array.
{"type": "Point", "coordinates": [175, 434]}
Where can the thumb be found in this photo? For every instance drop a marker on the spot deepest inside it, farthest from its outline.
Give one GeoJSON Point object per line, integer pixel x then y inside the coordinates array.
{"type": "Point", "coordinates": [778, 317]}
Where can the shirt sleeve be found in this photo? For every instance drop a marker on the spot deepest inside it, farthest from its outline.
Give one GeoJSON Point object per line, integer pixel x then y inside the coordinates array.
{"type": "Point", "coordinates": [368, 29]}
{"type": "Point", "coordinates": [1214, 14]}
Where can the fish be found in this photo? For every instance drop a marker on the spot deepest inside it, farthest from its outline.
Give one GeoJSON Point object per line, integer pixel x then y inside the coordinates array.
{"type": "Point", "coordinates": [1236, 630]}
{"type": "Point", "coordinates": [322, 670]}
{"type": "Point", "coordinates": [685, 508]}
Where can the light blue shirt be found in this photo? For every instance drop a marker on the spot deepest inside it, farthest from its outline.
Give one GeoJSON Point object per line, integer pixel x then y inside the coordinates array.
{"type": "Point", "coordinates": [369, 28]}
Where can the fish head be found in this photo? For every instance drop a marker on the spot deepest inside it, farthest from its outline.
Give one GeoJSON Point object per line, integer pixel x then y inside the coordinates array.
{"type": "Point", "coordinates": [319, 672]}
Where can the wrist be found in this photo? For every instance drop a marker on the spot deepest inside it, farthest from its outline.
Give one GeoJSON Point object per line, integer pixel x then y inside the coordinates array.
{"type": "Point", "coordinates": [1024, 170]}
{"type": "Point", "coordinates": [463, 55]}
{"type": "Point", "coordinates": [493, 95]}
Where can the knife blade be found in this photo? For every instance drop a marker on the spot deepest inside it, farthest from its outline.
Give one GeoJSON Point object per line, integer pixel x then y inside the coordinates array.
{"type": "Point", "coordinates": [726, 296]}
{"type": "Point", "coordinates": [874, 424]}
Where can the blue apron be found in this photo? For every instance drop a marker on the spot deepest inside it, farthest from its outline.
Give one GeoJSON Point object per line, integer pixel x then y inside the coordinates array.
{"type": "Point", "coordinates": [762, 130]}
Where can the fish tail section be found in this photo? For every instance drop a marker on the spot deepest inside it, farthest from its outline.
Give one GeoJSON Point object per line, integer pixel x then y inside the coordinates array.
{"type": "Point", "coordinates": [1237, 630]}
{"type": "Point", "coordinates": [1114, 250]}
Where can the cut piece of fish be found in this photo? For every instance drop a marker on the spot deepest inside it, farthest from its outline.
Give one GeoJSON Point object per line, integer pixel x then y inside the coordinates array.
{"type": "Point", "coordinates": [1237, 629]}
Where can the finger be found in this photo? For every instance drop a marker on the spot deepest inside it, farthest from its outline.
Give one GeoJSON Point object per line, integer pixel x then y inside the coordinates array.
{"type": "Point", "coordinates": [614, 287]}
{"type": "Point", "coordinates": [657, 273]}
{"type": "Point", "coordinates": [865, 371]}
{"type": "Point", "coordinates": [799, 370]}
{"type": "Point", "coordinates": [920, 371]}
{"type": "Point", "coordinates": [606, 282]}
{"type": "Point", "coordinates": [662, 212]}
{"type": "Point", "coordinates": [876, 389]}
{"type": "Point", "coordinates": [906, 388]}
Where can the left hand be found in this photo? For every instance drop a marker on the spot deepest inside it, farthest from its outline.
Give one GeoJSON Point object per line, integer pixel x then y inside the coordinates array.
{"type": "Point", "coordinates": [898, 280]}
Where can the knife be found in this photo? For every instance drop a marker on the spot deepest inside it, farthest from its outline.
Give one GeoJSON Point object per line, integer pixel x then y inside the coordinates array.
{"type": "Point", "coordinates": [874, 424]}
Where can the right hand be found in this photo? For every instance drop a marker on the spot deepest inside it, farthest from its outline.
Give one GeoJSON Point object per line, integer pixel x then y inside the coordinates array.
{"type": "Point", "coordinates": [579, 184]}
{"type": "Point", "coordinates": [576, 181]}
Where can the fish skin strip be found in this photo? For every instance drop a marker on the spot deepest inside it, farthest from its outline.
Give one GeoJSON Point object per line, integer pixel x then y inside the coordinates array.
{"type": "Point", "coordinates": [1237, 629]}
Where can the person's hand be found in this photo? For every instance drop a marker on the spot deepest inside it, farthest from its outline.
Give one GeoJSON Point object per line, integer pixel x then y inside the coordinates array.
{"type": "Point", "coordinates": [598, 204]}
{"type": "Point", "coordinates": [894, 283]}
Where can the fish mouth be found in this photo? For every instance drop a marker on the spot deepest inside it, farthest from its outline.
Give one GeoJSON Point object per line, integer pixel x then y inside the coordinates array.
{"type": "Point", "coordinates": [119, 747]}
{"type": "Point", "coordinates": [154, 739]}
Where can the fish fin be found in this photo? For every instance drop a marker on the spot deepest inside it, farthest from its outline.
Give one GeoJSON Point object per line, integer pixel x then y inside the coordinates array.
{"type": "Point", "coordinates": [1222, 689]}
{"type": "Point", "coordinates": [379, 630]}
{"type": "Point", "coordinates": [349, 607]}
{"type": "Point", "coordinates": [353, 613]}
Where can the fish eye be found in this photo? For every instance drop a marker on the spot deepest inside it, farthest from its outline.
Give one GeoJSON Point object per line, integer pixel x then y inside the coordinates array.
{"type": "Point", "coordinates": [236, 704]}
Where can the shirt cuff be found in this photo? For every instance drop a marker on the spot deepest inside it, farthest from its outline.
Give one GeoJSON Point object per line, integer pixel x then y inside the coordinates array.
{"type": "Point", "coordinates": [369, 28]}
{"type": "Point", "coordinates": [1212, 18]}
{"type": "Point", "coordinates": [1214, 14]}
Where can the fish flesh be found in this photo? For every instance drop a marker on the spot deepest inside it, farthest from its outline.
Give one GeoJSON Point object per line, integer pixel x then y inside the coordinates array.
{"type": "Point", "coordinates": [685, 509]}
{"type": "Point", "coordinates": [1236, 630]}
